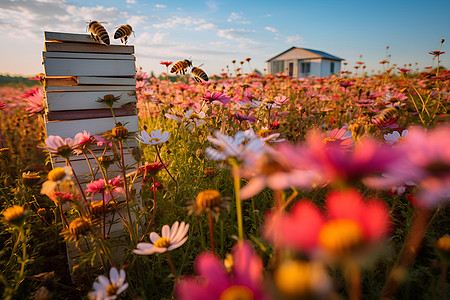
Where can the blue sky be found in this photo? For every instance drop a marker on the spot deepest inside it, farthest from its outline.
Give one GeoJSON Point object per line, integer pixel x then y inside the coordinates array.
{"type": "Point", "coordinates": [214, 32]}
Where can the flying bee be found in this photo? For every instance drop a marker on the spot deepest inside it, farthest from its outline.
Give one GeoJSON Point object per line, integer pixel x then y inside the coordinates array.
{"type": "Point", "coordinates": [123, 33]}
{"type": "Point", "coordinates": [181, 66]}
{"type": "Point", "coordinates": [386, 117]}
{"type": "Point", "coordinates": [98, 32]}
{"type": "Point", "coordinates": [199, 75]}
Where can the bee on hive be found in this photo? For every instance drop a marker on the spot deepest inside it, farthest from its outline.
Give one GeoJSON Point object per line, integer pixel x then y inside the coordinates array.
{"type": "Point", "coordinates": [199, 75]}
{"type": "Point", "coordinates": [181, 66]}
{"type": "Point", "coordinates": [98, 32]}
{"type": "Point", "coordinates": [123, 33]}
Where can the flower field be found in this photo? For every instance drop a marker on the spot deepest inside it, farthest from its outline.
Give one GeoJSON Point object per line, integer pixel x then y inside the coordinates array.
{"type": "Point", "coordinates": [246, 186]}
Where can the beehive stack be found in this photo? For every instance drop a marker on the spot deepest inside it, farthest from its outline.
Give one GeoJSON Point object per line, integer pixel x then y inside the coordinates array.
{"type": "Point", "coordinates": [78, 72]}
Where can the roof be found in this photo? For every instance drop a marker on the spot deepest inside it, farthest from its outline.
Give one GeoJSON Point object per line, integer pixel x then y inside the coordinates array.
{"type": "Point", "coordinates": [321, 53]}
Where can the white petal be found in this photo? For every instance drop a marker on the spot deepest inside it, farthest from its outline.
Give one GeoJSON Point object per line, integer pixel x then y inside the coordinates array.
{"type": "Point", "coordinates": [103, 280]}
{"type": "Point", "coordinates": [154, 237]}
{"type": "Point", "coordinates": [173, 230]}
{"type": "Point", "coordinates": [165, 231]}
{"type": "Point", "coordinates": [174, 246]}
{"type": "Point", "coordinates": [114, 275]}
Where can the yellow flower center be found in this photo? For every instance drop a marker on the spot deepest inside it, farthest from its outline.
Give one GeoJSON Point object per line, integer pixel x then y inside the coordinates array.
{"type": "Point", "coordinates": [63, 149]}
{"type": "Point", "coordinates": [208, 199]}
{"type": "Point", "coordinates": [13, 213]}
{"type": "Point", "coordinates": [400, 139]}
{"type": "Point", "coordinates": [112, 289]}
{"type": "Point", "coordinates": [328, 139]}
{"type": "Point", "coordinates": [153, 140]}
{"type": "Point", "coordinates": [340, 236]}
{"type": "Point", "coordinates": [56, 174]}
{"type": "Point", "coordinates": [294, 278]}
{"type": "Point", "coordinates": [162, 243]}
{"type": "Point", "coordinates": [263, 133]}
{"type": "Point", "coordinates": [237, 292]}
{"type": "Point", "coordinates": [444, 243]}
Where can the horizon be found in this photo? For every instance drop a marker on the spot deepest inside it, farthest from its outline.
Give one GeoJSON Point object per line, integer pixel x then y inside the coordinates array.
{"type": "Point", "coordinates": [214, 33]}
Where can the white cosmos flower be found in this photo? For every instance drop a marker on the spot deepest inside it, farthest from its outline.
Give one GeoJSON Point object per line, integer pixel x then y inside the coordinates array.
{"type": "Point", "coordinates": [172, 238]}
{"type": "Point", "coordinates": [189, 118]}
{"type": "Point", "coordinates": [154, 138]}
{"type": "Point", "coordinates": [394, 137]}
{"type": "Point", "coordinates": [108, 289]}
{"type": "Point", "coordinates": [244, 143]}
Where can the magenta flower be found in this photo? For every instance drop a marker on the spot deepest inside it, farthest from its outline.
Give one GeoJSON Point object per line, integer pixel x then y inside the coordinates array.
{"type": "Point", "coordinates": [245, 282]}
{"type": "Point", "coordinates": [216, 98]}
{"type": "Point", "coordinates": [2, 105]}
{"type": "Point", "coordinates": [338, 165]}
{"type": "Point", "coordinates": [241, 118]}
{"type": "Point", "coordinates": [112, 188]}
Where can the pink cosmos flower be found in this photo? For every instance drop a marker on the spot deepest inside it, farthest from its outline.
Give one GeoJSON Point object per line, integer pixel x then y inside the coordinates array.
{"type": "Point", "coordinates": [216, 98]}
{"type": "Point", "coordinates": [341, 138]}
{"type": "Point", "coordinates": [241, 118]}
{"type": "Point", "coordinates": [245, 282]}
{"type": "Point", "coordinates": [280, 99]}
{"type": "Point", "coordinates": [55, 144]}
{"type": "Point", "coordinates": [112, 188]}
{"type": "Point", "coordinates": [82, 141]}
{"type": "Point", "coordinates": [404, 70]}
{"type": "Point", "coordinates": [273, 169]}
{"type": "Point", "coordinates": [141, 75]}
{"type": "Point", "coordinates": [2, 105]}
{"type": "Point", "coordinates": [101, 141]}
{"type": "Point", "coordinates": [425, 161]}
{"type": "Point", "coordinates": [346, 84]}
{"type": "Point", "coordinates": [339, 165]}
{"type": "Point", "coordinates": [349, 225]}
{"type": "Point", "coordinates": [33, 98]}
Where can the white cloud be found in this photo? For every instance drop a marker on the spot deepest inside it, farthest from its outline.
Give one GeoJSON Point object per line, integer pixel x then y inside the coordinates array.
{"type": "Point", "coordinates": [212, 5]}
{"type": "Point", "coordinates": [270, 29]}
{"type": "Point", "coordinates": [234, 34]}
{"type": "Point", "coordinates": [137, 20]}
{"type": "Point", "coordinates": [131, 1]}
{"type": "Point", "coordinates": [188, 23]}
{"type": "Point", "coordinates": [237, 18]}
{"type": "Point", "coordinates": [160, 6]}
{"type": "Point", "coordinates": [295, 39]}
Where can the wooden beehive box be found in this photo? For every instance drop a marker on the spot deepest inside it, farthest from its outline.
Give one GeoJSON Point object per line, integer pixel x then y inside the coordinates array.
{"type": "Point", "coordinates": [79, 71]}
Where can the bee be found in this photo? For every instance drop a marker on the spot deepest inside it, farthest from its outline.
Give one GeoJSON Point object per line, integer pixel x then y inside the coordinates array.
{"type": "Point", "coordinates": [123, 33]}
{"type": "Point", "coordinates": [386, 117]}
{"type": "Point", "coordinates": [98, 32]}
{"type": "Point", "coordinates": [199, 75]}
{"type": "Point", "coordinates": [181, 66]}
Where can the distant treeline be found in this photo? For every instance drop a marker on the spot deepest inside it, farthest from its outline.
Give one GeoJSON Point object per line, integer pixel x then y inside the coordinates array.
{"type": "Point", "coordinates": [7, 80]}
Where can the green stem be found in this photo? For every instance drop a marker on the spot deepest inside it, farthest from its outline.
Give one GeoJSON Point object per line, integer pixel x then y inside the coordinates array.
{"type": "Point", "coordinates": [174, 271]}
{"type": "Point", "coordinates": [237, 184]}
{"type": "Point", "coordinates": [160, 159]}
{"type": "Point", "coordinates": [211, 232]}
{"type": "Point", "coordinates": [127, 200]}
{"type": "Point", "coordinates": [153, 208]}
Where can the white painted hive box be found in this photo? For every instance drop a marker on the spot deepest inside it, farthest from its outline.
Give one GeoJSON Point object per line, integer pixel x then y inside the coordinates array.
{"type": "Point", "coordinates": [79, 71]}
